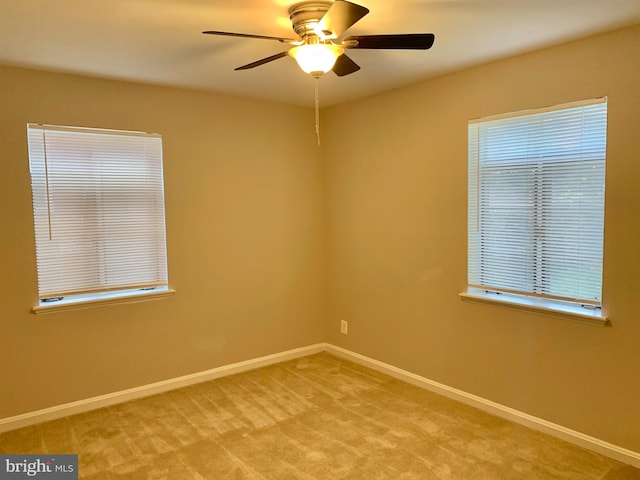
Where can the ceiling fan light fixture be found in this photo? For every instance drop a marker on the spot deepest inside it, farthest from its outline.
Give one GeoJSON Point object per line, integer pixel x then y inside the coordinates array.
{"type": "Point", "coordinates": [316, 59]}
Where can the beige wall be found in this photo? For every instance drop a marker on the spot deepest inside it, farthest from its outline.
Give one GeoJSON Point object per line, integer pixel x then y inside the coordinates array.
{"type": "Point", "coordinates": [396, 193]}
{"type": "Point", "coordinates": [244, 233]}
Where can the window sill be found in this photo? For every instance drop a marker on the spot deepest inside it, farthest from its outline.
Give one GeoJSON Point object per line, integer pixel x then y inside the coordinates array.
{"type": "Point", "coordinates": [539, 306]}
{"type": "Point", "coordinates": [133, 297]}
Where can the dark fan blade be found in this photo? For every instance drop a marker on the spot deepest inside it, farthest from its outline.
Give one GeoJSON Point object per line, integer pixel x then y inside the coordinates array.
{"type": "Point", "coordinates": [409, 41]}
{"type": "Point", "coordinates": [248, 35]}
{"type": "Point", "coordinates": [340, 16]}
{"type": "Point", "coordinates": [263, 61]}
{"type": "Point", "coordinates": [344, 66]}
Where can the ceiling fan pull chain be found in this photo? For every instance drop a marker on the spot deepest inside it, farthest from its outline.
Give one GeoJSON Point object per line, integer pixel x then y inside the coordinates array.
{"type": "Point", "coordinates": [317, 111]}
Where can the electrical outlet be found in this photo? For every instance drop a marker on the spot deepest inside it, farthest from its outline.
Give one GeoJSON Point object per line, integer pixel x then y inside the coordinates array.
{"type": "Point", "coordinates": [344, 327]}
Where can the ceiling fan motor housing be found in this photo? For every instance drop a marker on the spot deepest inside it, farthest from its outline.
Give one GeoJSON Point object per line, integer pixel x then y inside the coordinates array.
{"type": "Point", "coordinates": [305, 17]}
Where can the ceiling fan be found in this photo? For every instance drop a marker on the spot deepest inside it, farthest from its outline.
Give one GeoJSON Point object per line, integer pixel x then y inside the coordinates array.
{"type": "Point", "coordinates": [319, 47]}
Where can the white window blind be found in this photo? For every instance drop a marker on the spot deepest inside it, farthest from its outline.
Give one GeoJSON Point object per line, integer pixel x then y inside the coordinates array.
{"type": "Point", "coordinates": [98, 204]}
{"type": "Point", "coordinates": [536, 202]}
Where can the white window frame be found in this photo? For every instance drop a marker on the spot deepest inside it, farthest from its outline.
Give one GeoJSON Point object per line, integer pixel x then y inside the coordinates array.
{"type": "Point", "coordinates": [506, 281]}
{"type": "Point", "coordinates": [99, 221]}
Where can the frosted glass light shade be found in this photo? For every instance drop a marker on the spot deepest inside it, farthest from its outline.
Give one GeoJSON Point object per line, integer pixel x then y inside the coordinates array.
{"type": "Point", "coordinates": [316, 59]}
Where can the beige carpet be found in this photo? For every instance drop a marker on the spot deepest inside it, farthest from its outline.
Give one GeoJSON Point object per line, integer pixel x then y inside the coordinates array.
{"type": "Point", "coordinates": [319, 417]}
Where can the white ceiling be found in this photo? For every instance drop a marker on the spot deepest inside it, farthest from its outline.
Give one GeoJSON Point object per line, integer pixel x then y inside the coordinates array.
{"type": "Point", "coordinates": [160, 41]}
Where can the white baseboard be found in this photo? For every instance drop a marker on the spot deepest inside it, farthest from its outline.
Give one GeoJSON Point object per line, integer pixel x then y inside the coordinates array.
{"type": "Point", "coordinates": [591, 443]}
{"type": "Point", "coordinates": [80, 406]}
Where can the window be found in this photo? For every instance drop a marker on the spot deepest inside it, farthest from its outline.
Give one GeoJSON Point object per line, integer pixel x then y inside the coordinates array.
{"type": "Point", "coordinates": [536, 207]}
{"type": "Point", "coordinates": [98, 207]}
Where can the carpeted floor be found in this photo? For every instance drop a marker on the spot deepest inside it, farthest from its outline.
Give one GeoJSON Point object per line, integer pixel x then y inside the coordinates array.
{"type": "Point", "coordinates": [314, 418]}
